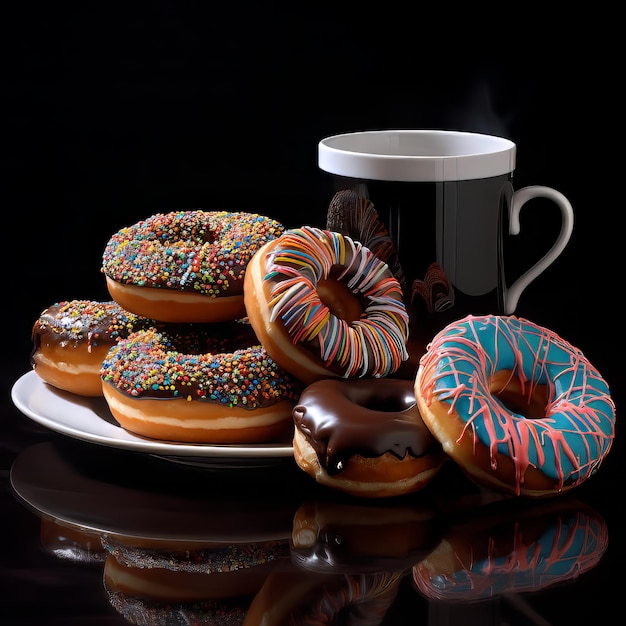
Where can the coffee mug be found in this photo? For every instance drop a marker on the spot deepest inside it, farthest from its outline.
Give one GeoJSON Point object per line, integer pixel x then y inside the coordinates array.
{"type": "Point", "coordinates": [443, 201]}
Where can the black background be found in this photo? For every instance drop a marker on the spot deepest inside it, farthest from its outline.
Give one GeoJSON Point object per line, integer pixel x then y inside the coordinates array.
{"type": "Point", "coordinates": [113, 114]}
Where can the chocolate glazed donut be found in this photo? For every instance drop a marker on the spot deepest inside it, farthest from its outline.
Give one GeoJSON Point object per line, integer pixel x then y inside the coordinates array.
{"type": "Point", "coordinates": [364, 437]}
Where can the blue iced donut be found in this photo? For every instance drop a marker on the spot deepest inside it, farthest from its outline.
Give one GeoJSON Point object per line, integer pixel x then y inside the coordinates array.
{"type": "Point", "coordinates": [519, 408]}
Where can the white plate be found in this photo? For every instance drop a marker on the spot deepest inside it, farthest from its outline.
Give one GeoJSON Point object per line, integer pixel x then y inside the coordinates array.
{"type": "Point", "coordinates": [89, 419]}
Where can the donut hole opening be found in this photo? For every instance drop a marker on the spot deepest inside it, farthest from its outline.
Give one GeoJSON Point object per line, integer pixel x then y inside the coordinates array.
{"type": "Point", "coordinates": [341, 302]}
{"type": "Point", "coordinates": [388, 405]}
{"type": "Point", "coordinates": [508, 389]}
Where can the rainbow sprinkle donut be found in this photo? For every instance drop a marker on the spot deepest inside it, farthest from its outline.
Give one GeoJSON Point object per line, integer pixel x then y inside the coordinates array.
{"type": "Point", "coordinates": [185, 266]}
{"type": "Point", "coordinates": [519, 408]}
{"type": "Point", "coordinates": [323, 306]}
{"type": "Point", "coordinates": [199, 383]}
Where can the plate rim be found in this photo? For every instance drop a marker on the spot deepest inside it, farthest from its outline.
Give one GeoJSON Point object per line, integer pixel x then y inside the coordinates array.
{"type": "Point", "coordinates": [26, 385]}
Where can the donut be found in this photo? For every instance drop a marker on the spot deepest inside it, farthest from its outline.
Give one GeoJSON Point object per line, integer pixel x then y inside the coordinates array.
{"type": "Point", "coordinates": [324, 306]}
{"type": "Point", "coordinates": [517, 407]}
{"type": "Point", "coordinates": [210, 383]}
{"type": "Point", "coordinates": [185, 266]}
{"type": "Point", "coordinates": [364, 437]}
{"type": "Point", "coordinates": [362, 537]}
{"type": "Point", "coordinates": [508, 549]}
{"type": "Point", "coordinates": [71, 339]}
{"type": "Point", "coordinates": [352, 213]}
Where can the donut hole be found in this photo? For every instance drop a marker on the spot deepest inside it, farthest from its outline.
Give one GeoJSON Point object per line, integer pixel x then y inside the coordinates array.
{"type": "Point", "coordinates": [207, 237]}
{"type": "Point", "coordinates": [531, 402]}
{"type": "Point", "coordinates": [341, 302]}
{"type": "Point", "coordinates": [388, 405]}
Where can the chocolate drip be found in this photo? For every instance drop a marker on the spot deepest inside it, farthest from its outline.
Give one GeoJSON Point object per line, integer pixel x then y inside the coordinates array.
{"type": "Point", "coordinates": [341, 418]}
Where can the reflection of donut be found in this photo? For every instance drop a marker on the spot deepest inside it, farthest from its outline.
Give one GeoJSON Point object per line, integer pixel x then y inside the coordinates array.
{"type": "Point", "coordinates": [513, 550]}
{"type": "Point", "coordinates": [364, 437]}
{"type": "Point", "coordinates": [163, 526]}
{"type": "Point", "coordinates": [199, 383]}
{"type": "Point", "coordinates": [519, 408]}
{"type": "Point", "coordinates": [200, 557]}
{"type": "Point", "coordinates": [185, 266]}
{"type": "Point", "coordinates": [354, 215]}
{"type": "Point", "coordinates": [354, 538]}
{"type": "Point", "coordinates": [325, 306]}
{"type": "Point", "coordinates": [300, 597]}
{"type": "Point", "coordinates": [154, 596]}
{"type": "Point", "coordinates": [71, 339]}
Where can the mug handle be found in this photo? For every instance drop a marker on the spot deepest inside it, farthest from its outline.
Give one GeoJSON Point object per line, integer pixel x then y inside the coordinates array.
{"type": "Point", "coordinates": [519, 199]}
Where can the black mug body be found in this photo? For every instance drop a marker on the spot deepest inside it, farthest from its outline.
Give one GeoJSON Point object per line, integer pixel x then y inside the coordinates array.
{"type": "Point", "coordinates": [448, 237]}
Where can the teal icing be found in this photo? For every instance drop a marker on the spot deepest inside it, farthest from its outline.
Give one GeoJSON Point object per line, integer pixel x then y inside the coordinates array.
{"type": "Point", "coordinates": [570, 545]}
{"type": "Point", "coordinates": [576, 433]}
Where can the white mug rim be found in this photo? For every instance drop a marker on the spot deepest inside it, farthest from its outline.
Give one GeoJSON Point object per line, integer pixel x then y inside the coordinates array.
{"type": "Point", "coordinates": [393, 155]}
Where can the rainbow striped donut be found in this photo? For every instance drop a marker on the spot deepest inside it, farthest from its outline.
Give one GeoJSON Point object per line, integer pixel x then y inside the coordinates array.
{"type": "Point", "coordinates": [473, 361]}
{"type": "Point", "coordinates": [324, 305]}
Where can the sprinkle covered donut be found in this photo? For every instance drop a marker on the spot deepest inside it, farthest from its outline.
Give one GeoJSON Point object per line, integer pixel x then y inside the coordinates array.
{"type": "Point", "coordinates": [324, 306]}
{"type": "Point", "coordinates": [520, 409]}
{"type": "Point", "coordinates": [71, 339]}
{"type": "Point", "coordinates": [199, 383]}
{"type": "Point", "coordinates": [185, 266]}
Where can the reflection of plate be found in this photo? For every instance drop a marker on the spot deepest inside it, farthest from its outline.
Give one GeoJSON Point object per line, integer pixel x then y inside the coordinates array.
{"type": "Point", "coordinates": [89, 419]}
{"type": "Point", "coordinates": [111, 492]}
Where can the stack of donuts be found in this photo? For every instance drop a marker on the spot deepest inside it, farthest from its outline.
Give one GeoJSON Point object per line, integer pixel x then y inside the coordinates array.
{"type": "Point", "coordinates": [171, 353]}
{"type": "Point", "coordinates": [229, 328]}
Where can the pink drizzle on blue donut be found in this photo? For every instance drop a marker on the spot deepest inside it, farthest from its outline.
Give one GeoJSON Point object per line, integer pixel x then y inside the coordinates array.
{"type": "Point", "coordinates": [570, 441]}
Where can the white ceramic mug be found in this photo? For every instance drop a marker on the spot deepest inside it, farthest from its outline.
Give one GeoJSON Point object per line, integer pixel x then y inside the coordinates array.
{"type": "Point", "coordinates": [447, 200]}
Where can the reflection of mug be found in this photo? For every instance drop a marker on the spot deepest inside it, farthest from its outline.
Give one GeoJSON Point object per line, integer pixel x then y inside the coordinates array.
{"type": "Point", "coordinates": [445, 199]}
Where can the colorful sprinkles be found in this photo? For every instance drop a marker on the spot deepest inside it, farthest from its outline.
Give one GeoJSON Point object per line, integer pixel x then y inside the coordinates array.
{"type": "Point", "coordinates": [226, 558]}
{"type": "Point", "coordinates": [375, 344]}
{"type": "Point", "coordinates": [73, 321]}
{"type": "Point", "coordinates": [204, 252]}
{"type": "Point", "coordinates": [198, 362]}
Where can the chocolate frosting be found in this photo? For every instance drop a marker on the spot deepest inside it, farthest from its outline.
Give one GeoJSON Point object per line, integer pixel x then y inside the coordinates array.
{"type": "Point", "coordinates": [369, 417]}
